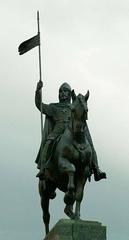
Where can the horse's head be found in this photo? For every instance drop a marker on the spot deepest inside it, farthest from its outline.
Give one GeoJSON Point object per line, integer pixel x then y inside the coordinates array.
{"type": "Point", "coordinates": [79, 113]}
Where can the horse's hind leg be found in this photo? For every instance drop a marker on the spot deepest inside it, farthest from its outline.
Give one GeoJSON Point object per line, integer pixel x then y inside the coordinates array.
{"type": "Point", "coordinates": [77, 210]}
{"type": "Point", "coordinates": [46, 214]}
{"type": "Point", "coordinates": [45, 207]}
{"type": "Point", "coordinates": [79, 196]}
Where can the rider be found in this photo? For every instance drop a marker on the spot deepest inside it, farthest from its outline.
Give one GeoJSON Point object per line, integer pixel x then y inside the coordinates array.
{"type": "Point", "coordinates": [57, 119]}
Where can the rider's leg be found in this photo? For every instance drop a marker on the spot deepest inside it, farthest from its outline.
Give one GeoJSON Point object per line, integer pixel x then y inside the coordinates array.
{"type": "Point", "coordinates": [43, 157]}
{"type": "Point", "coordinates": [98, 174]}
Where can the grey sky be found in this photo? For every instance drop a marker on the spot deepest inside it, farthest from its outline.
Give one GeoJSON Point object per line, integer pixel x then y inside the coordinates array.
{"type": "Point", "coordinates": [85, 43]}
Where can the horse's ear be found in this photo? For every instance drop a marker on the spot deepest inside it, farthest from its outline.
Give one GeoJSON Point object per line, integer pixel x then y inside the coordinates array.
{"type": "Point", "coordinates": [73, 95]}
{"type": "Point", "coordinates": [87, 95]}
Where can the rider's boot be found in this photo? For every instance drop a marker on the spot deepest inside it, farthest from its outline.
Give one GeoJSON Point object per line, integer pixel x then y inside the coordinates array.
{"type": "Point", "coordinates": [41, 174]}
{"type": "Point", "coordinates": [98, 174]}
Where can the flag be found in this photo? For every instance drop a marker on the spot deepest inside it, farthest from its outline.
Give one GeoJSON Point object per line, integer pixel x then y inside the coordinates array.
{"type": "Point", "coordinates": [28, 44]}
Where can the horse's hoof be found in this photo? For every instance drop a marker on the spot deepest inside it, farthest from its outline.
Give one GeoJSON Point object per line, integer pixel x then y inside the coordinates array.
{"type": "Point", "coordinates": [69, 212]}
{"type": "Point", "coordinates": [52, 195]}
{"type": "Point", "coordinates": [69, 198]}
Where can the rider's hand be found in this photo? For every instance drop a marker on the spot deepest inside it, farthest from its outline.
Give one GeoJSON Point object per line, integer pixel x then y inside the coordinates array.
{"type": "Point", "coordinates": [39, 85]}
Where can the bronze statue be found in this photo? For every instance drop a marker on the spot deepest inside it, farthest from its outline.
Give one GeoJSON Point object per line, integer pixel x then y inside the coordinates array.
{"type": "Point", "coordinates": [67, 157]}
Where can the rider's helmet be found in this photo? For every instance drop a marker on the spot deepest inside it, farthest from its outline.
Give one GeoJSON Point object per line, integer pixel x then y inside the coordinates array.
{"type": "Point", "coordinates": [65, 93]}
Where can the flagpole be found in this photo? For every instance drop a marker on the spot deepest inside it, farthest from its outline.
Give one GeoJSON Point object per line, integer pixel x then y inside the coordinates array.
{"type": "Point", "coordinates": [40, 74]}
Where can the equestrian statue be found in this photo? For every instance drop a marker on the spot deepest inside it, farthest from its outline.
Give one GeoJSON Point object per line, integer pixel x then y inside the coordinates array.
{"type": "Point", "coordinates": [66, 158]}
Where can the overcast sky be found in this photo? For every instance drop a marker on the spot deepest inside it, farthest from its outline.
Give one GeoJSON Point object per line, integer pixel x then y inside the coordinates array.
{"type": "Point", "coordinates": [84, 43]}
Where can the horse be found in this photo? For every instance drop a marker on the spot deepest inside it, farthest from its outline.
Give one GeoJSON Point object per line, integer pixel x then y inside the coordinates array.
{"type": "Point", "coordinates": [70, 166]}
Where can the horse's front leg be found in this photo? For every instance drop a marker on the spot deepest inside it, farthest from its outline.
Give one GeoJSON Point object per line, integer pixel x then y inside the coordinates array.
{"type": "Point", "coordinates": [67, 168]}
{"type": "Point", "coordinates": [71, 186]}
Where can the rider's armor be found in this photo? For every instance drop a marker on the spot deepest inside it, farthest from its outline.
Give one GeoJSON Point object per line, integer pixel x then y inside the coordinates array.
{"type": "Point", "coordinates": [58, 115]}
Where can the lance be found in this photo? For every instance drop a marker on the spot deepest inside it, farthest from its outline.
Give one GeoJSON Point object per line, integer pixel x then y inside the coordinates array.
{"type": "Point", "coordinates": [40, 79]}
{"type": "Point", "coordinates": [40, 75]}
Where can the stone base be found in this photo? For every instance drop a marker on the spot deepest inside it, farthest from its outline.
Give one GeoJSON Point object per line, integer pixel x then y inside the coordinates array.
{"type": "Point", "coordinates": [67, 229]}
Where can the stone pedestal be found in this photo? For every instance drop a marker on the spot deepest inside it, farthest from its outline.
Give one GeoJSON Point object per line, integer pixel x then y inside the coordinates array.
{"type": "Point", "coordinates": [67, 229]}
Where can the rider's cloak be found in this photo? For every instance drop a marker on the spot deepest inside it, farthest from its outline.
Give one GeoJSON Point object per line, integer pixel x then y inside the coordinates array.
{"type": "Point", "coordinates": [48, 127]}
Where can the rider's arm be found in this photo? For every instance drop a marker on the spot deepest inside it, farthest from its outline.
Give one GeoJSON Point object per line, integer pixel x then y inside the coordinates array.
{"type": "Point", "coordinates": [46, 108]}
